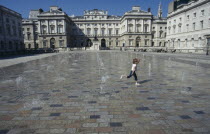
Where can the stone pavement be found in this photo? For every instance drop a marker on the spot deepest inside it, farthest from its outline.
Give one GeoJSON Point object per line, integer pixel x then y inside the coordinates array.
{"type": "Point", "coordinates": [81, 93]}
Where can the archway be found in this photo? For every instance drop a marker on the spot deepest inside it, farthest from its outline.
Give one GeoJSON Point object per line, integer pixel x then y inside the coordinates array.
{"type": "Point", "coordinates": [138, 41]}
{"type": "Point", "coordinates": [103, 43]}
{"type": "Point", "coordinates": [88, 43]}
{"type": "Point", "coordinates": [52, 43]}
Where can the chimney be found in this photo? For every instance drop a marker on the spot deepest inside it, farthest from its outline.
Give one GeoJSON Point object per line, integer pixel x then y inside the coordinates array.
{"type": "Point", "coordinates": [149, 9]}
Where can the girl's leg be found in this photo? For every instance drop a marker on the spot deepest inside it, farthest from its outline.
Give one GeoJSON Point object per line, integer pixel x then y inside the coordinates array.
{"type": "Point", "coordinates": [135, 76]}
{"type": "Point", "coordinates": [136, 79]}
{"type": "Point", "coordinates": [131, 73]}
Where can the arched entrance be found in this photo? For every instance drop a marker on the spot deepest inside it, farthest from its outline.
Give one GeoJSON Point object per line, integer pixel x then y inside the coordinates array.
{"type": "Point", "coordinates": [89, 43]}
{"type": "Point", "coordinates": [52, 43]}
{"type": "Point", "coordinates": [103, 43]}
{"type": "Point", "coordinates": [138, 39]}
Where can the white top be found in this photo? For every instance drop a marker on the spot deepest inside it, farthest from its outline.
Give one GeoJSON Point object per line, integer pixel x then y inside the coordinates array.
{"type": "Point", "coordinates": [134, 67]}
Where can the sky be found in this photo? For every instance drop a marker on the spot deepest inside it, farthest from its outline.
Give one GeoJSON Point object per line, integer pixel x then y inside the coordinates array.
{"type": "Point", "coordinates": [77, 7]}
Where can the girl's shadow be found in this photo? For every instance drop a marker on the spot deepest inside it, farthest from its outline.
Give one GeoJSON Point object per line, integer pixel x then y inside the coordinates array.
{"type": "Point", "coordinates": [144, 81]}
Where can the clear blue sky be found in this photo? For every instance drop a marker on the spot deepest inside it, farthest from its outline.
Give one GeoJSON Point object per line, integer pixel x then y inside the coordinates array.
{"type": "Point", "coordinates": [77, 7]}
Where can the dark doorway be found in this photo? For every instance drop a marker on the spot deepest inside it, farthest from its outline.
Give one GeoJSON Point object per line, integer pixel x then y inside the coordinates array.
{"type": "Point", "coordinates": [103, 43]}
{"type": "Point", "coordinates": [52, 43]}
{"type": "Point", "coordinates": [138, 41]}
{"type": "Point", "coordinates": [89, 43]}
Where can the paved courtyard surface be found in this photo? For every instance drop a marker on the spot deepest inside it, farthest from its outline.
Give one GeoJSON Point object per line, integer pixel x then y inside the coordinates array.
{"type": "Point", "coordinates": [81, 93]}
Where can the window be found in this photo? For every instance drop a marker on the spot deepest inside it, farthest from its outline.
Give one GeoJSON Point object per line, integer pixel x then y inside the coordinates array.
{"type": "Point", "coordinates": [110, 31]}
{"type": "Point", "coordinates": [60, 28]}
{"type": "Point", "coordinates": [160, 34]}
{"type": "Point", "coordinates": [44, 29]}
{"type": "Point", "coordinates": [146, 42]}
{"type": "Point", "coordinates": [14, 30]}
{"type": "Point", "coordinates": [174, 21]}
{"type": "Point", "coordinates": [44, 44]}
{"type": "Point", "coordinates": [192, 42]}
{"type": "Point", "coordinates": [8, 29]}
{"type": "Point", "coordinates": [180, 19]}
{"type": "Point", "coordinates": [202, 13]}
{"type": "Point", "coordinates": [52, 29]}
{"type": "Point", "coordinates": [194, 15]}
{"type": "Point", "coordinates": [146, 28]}
{"type": "Point", "coordinates": [102, 31]}
{"type": "Point", "coordinates": [201, 23]}
{"type": "Point", "coordinates": [187, 27]}
{"type": "Point", "coordinates": [130, 42]}
{"type": "Point", "coordinates": [117, 32]}
{"type": "Point", "coordinates": [95, 31]}
{"type": "Point", "coordinates": [28, 29]}
{"type": "Point", "coordinates": [193, 26]}
{"type": "Point", "coordinates": [160, 27]}
{"type": "Point", "coordinates": [188, 17]}
{"type": "Point", "coordinates": [88, 31]}
{"type": "Point", "coordinates": [160, 44]}
{"type": "Point", "coordinates": [29, 36]}
{"type": "Point", "coordinates": [139, 28]}
{"type": "Point", "coordinates": [61, 43]}
{"type": "Point", "coordinates": [180, 29]}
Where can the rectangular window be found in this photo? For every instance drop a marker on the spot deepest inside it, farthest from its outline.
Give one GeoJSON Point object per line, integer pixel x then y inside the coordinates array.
{"type": "Point", "coordinates": [110, 31]}
{"type": "Point", "coordinates": [103, 31]}
{"type": "Point", "coordinates": [117, 32]}
{"type": "Point", "coordinates": [88, 31]}
{"type": "Point", "coordinates": [194, 15]}
{"type": "Point", "coordinates": [193, 26]}
{"type": "Point", "coordinates": [61, 43]}
{"type": "Point", "coordinates": [201, 23]}
{"type": "Point", "coordinates": [202, 13]}
{"type": "Point", "coordinates": [187, 27]}
{"type": "Point", "coordinates": [188, 17]}
{"type": "Point", "coordinates": [95, 31]}
{"type": "Point", "coordinates": [146, 42]}
{"type": "Point", "coordinates": [44, 44]}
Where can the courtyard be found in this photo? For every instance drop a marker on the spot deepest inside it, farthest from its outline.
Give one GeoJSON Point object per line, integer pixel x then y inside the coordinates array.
{"type": "Point", "coordinates": [81, 92]}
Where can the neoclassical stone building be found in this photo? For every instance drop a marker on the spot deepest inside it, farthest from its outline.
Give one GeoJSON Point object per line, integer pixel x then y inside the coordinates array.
{"type": "Point", "coordinates": [49, 29]}
{"type": "Point", "coordinates": [188, 25]}
{"type": "Point", "coordinates": [135, 29]}
{"type": "Point", "coordinates": [55, 29]}
{"type": "Point", "coordinates": [11, 39]}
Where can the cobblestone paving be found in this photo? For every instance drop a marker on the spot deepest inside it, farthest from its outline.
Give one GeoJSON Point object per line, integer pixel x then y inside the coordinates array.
{"type": "Point", "coordinates": [81, 93]}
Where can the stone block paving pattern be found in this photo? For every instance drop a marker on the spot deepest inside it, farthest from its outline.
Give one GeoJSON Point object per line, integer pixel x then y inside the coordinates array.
{"type": "Point", "coordinates": [82, 93]}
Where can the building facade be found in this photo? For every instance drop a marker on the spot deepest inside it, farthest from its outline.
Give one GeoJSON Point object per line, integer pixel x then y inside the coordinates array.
{"type": "Point", "coordinates": [188, 25]}
{"type": "Point", "coordinates": [49, 29]}
{"type": "Point", "coordinates": [11, 38]}
{"type": "Point", "coordinates": [132, 30]}
{"type": "Point", "coordinates": [55, 29]}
